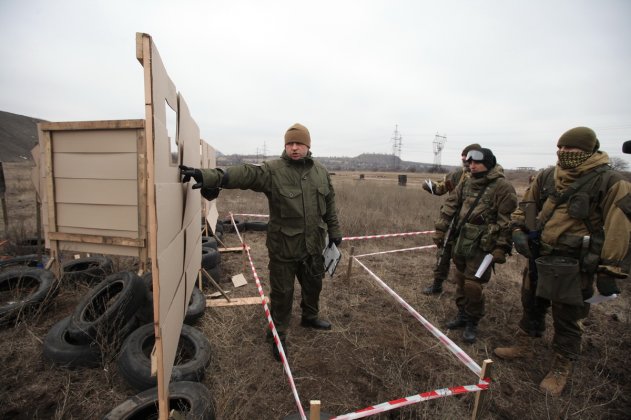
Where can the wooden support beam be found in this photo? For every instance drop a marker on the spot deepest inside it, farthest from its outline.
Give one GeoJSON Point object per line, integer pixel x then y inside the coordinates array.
{"type": "Point", "coordinates": [350, 265]}
{"type": "Point", "coordinates": [92, 125]}
{"type": "Point", "coordinates": [209, 277]}
{"type": "Point", "coordinates": [96, 239]}
{"type": "Point", "coordinates": [481, 396]}
{"type": "Point", "coordinates": [232, 249]}
{"type": "Point", "coordinates": [234, 302]}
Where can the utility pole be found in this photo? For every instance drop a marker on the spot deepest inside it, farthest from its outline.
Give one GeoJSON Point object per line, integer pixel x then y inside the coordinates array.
{"type": "Point", "coordinates": [396, 148]}
{"type": "Point", "coordinates": [439, 145]}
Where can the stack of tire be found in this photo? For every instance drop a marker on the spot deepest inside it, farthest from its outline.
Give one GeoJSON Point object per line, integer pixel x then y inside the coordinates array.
{"type": "Point", "coordinates": [108, 314]}
{"type": "Point", "coordinates": [211, 258]}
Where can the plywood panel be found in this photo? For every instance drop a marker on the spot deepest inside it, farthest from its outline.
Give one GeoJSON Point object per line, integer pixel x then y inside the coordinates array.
{"type": "Point", "coordinates": [95, 141]}
{"type": "Point", "coordinates": [193, 237]}
{"type": "Point", "coordinates": [97, 216]}
{"type": "Point", "coordinates": [170, 209]}
{"type": "Point", "coordinates": [171, 269]}
{"type": "Point", "coordinates": [97, 191]}
{"type": "Point", "coordinates": [171, 328]}
{"type": "Point", "coordinates": [96, 166]}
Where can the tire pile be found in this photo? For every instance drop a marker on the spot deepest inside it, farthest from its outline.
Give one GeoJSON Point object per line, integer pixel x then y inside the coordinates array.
{"type": "Point", "coordinates": [115, 320]}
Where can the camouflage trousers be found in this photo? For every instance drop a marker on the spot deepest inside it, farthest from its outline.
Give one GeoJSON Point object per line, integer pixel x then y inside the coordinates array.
{"type": "Point", "coordinates": [566, 319]}
{"type": "Point", "coordinates": [469, 289]}
{"type": "Point", "coordinates": [309, 272]}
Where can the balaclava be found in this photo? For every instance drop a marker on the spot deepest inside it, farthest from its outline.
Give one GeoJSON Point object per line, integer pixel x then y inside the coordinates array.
{"type": "Point", "coordinates": [582, 138]}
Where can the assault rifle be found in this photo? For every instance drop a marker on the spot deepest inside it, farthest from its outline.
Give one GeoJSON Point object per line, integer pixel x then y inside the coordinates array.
{"type": "Point", "coordinates": [450, 232]}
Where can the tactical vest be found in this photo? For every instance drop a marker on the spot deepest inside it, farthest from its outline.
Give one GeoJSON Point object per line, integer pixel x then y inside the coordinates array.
{"type": "Point", "coordinates": [583, 198]}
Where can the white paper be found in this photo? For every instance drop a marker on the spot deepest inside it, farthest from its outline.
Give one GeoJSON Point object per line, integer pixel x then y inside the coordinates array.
{"type": "Point", "coordinates": [332, 257]}
{"type": "Point", "coordinates": [429, 184]}
{"type": "Point", "coordinates": [488, 259]}
{"type": "Point", "coordinates": [597, 298]}
{"type": "Point", "coordinates": [239, 280]}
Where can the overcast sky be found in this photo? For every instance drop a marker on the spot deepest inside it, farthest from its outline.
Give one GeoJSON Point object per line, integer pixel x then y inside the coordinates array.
{"type": "Point", "coordinates": [511, 75]}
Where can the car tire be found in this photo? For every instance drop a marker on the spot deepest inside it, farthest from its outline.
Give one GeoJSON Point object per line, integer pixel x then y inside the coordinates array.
{"type": "Point", "coordinates": [256, 226]}
{"type": "Point", "coordinates": [26, 289]}
{"type": "Point", "coordinates": [90, 270]}
{"type": "Point", "coordinates": [190, 399]}
{"type": "Point", "coordinates": [109, 304]}
{"type": "Point", "coordinates": [195, 310]}
{"type": "Point", "coordinates": [134, 362]}
{"type": "Point", "coordinates": [60, 349]}
{"type": "Point", "coordinates": [210, 258]}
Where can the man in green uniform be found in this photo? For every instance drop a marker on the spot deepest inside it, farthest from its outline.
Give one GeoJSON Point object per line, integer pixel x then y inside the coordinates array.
{"type": "Point", "coordinates": [479, 212]}
{"type": "Point", "coordinates": [301, 214]}
{"type": "Point", "coordinates": [576, 215]}
{"type": "Point", "coordinates": [446, 186]}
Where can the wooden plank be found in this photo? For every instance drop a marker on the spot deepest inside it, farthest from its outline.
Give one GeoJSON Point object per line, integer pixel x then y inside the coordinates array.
{"type": "Point", "coordinates": [94, 239]}
{"type": "Point", "coordinates": [46, 141]}
{"type": "Point", "coordinates": [234, 301]}
{"type": "Point", "coordinates": [96, 141]}
{"type": "Point", "coordinates": [232, 249]}
{"type": "Point", "coordinates": [143, 253]}
{"type": "Point", "coordinates": [97, 165]}
{"type": "Point", "coordinates": [163, 385]}
{"type": "Point", "coordinates": [93, 125]}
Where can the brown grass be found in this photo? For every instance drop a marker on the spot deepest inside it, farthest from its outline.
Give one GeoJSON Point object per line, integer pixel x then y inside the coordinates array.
{"type": "Point", "coordinates": [376, 351]}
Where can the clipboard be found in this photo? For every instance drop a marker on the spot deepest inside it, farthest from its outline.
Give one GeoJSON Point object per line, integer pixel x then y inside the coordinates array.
{"type": "Point", "coordinates": [332, 257]}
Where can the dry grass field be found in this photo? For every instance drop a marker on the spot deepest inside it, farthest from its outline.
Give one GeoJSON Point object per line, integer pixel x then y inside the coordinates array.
{"type": "Point", "coordinates": [376, 350]}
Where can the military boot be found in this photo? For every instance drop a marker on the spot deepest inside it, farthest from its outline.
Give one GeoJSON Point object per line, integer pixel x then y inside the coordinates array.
{"type": "Point", "coordinates": [459, 321]}
{"type": "Point", "coordinates": [556, 379]}
{"type": "Point", "coordinates": [523, 347]}
{"type": "Point", "coordinates": [435, 288]}
{"type": "Point", "coordinates": [470, 330]}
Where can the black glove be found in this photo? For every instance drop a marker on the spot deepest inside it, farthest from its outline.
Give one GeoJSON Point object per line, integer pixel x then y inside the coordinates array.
{"type": "Point", "coordinates": [336, 241]}
{"type": "Point", "coordinates": [187, 173]}
{"type": "Point", "coordinates": [520, 241]}
{"type": "Point", "coordinates": [606, 284]}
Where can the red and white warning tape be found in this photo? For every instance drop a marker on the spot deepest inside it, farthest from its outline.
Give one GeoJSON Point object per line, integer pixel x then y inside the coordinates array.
{"type": "Point", "coordinates": [401, 402]}
{"type": "Point", "coordinates": [396, 250]}
{"type": "Point", "coordinates": [387, 235]}
{"type": "Point", "coordinates": [268, 316]}
{"type": "Point", "coordinates": [483, 384]}
{"type": "Point", "coordinates": [451, 346]}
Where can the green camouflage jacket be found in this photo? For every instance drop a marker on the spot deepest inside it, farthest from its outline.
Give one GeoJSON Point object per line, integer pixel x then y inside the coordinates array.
{"type": "Point", "coordinates": [301, 203]}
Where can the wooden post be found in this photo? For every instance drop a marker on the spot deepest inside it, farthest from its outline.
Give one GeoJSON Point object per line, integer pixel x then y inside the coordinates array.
{"type": "Point", "coordinates": [480, 396]}
{"type": "Point", "coordinates": [314, 411]}
{"type": "Point", "coordinates": [209, 277]}
{"type": "Point", "coordinates": [350, 265]}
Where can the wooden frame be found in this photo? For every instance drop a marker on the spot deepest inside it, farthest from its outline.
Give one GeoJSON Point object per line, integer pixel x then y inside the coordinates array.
{"type": "Point", "coordinates": [106, 239]}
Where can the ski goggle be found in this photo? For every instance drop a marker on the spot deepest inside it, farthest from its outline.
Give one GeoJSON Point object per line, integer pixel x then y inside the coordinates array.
{"type": "Point", "coordinates": [475, 155]}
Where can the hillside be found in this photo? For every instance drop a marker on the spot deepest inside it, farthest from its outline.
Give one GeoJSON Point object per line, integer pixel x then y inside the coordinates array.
{"type": "Point", "coordinates": [18, 135]}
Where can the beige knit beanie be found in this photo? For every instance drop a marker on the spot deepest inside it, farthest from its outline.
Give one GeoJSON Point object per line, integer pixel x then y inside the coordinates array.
{"type": "Point", "coordinates": [298, 133]}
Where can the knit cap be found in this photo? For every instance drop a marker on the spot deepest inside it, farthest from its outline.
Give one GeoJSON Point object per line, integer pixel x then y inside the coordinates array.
{"type": "Point", "coordinates": [581, 137]}
{"type": "Point", "coordinates": [298, 133]}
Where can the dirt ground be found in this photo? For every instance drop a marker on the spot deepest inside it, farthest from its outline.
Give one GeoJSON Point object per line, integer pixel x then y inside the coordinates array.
{"type": "Point", "coordinates": [376, 351]}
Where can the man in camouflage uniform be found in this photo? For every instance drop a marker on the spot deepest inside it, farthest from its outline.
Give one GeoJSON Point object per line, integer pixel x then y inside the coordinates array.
{"type": "Point", "coordinates": [579, 210]}
{"type": "Point", "coordinates": [446, 186]}
{"type": "Point", "coordinates": [479, 212]}
{"type": "Point", "coordinates": [301, 214]}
